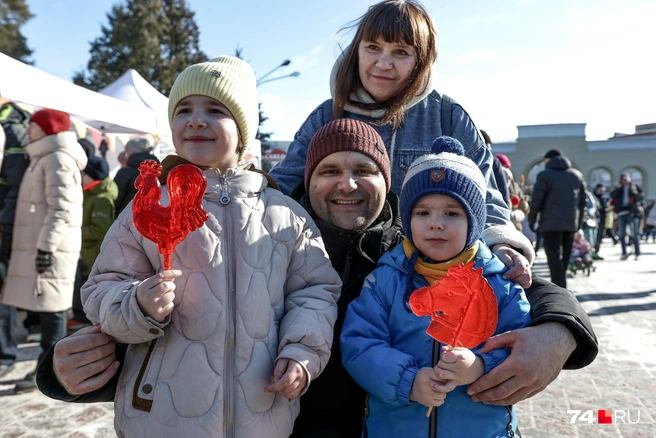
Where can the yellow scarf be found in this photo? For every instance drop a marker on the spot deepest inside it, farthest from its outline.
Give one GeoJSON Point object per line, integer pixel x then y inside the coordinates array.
{"type": "Point", "coordinates": [434, 272]}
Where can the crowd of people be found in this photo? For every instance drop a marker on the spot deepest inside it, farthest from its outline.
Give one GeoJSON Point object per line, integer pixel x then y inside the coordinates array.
{"type": "Point", "coordinates": [287, 312]}
{"type": "Point", "coordinates": [571, 220]}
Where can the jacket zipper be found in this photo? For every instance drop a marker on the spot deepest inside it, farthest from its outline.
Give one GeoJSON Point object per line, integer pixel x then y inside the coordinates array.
{"type": "Point", "coordinates": [511, 434]}
{"type": "Point", "coordinates": [225, 197]}
{"type": "Point", "coordinates": [366, 415]}
{"type": "Point", "coordinates": [228, 408]}
{"type": "Point", "coordinates": [349, 262]}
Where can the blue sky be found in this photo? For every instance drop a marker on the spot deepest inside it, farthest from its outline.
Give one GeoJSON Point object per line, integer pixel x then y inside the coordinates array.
{"type": "Point", "coordinates": [508, 62]}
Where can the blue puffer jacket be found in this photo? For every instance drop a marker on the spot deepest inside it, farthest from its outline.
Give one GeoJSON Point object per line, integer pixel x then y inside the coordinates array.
{"type": "Point", "coordinates": [384, 345]}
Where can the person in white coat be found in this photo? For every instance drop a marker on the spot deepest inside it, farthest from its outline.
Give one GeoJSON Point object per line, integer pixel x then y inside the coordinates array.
{"type": "Point", "coordinates": [47, 235]}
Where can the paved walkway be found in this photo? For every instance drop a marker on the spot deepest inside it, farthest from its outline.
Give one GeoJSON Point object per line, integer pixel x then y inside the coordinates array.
{"type": "Point", "coordinates": [620, 298]}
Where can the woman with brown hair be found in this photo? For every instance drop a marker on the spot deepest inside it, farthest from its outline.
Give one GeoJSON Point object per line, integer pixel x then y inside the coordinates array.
{"type": "Point", "coordinates": [384, 77]}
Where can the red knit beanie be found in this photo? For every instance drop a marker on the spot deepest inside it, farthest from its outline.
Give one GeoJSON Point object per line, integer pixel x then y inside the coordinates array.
{"type": "Point", "coordinates": [504, 160]}
{"type": "Point", "coordinates": [351, 136]}
{"type": "Point", "coordinates": [52, 121]}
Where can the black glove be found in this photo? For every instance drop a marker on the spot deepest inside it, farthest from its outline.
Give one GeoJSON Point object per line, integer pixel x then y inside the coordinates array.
{"type": "Point", "coordinates": [43, 261]}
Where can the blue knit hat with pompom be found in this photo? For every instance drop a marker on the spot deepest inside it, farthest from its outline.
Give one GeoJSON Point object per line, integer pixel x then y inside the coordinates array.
{"type": "Point", "coordinates": [446, 171]}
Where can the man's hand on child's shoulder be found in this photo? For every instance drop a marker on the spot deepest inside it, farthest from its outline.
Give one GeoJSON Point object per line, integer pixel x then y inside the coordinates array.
{"type": "Point", "coordinates": [155, 295]}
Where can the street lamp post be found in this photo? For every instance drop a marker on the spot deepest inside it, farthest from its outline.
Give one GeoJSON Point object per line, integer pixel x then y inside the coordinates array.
{"type": "Point", "coordinates": [285, 63]}
{"type": "Point", "coordinates": [291, 75]}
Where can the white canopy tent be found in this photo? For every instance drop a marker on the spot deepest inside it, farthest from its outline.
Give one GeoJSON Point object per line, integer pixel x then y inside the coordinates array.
{"type": "Point", "coordinates": [23, 83]}
{"type": "Point", "coordinates": [133, 88]}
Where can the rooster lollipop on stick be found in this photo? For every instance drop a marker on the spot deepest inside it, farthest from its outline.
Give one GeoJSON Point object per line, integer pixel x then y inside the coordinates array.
{"type": "Point", "coordinates": [168, 226]}
{"type": "Point", "coordinates": [462, 307]}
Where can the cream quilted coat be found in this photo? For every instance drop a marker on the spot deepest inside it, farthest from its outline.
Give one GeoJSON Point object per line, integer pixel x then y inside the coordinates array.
{"type": "Point", "coordinates": [256, 285]}
{"type": "Point", "coordinates": [48, 217]}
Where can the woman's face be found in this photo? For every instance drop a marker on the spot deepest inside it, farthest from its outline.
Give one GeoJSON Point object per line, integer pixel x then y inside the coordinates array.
{"type": "Point", "coordinates": [205, 133]}
{"type": "Point", "coordinates": [385, 68]}
{"type": "Point", "coordinates": [34, 132]}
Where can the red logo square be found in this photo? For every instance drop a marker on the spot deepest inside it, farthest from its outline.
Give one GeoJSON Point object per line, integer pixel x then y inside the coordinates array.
{"type": "Point", "coordinates": [605, 416]}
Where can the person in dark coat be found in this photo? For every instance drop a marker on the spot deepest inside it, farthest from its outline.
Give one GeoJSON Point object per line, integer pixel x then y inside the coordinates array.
{"type": "Point", "coordinates": [559, 198]}
{"type": "Point", "coordinates": [13, 121]}
{"type": "Point", "coordinates": [497, 171]}
{"type": "Point", "coordinates": [88, 146]}
{"type": "Point", "coordinates": [346, 192]}
{"type": "Point", "coordinates": [602, 197]}
{"type": "Point", "coordinates": [628, 203]}
{"type": "Point", "coordinates": [137, 150]}
{"type": "Point", "coordinates": [352, 151]}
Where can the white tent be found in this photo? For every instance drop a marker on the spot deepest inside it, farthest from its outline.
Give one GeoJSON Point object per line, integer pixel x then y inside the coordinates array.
{"type": "Point", "coordinates": [133, 88]}
{"type": "Point", "coordinates": [23, 83]}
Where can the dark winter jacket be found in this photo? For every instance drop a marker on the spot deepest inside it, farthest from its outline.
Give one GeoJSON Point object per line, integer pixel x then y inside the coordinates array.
{"type": "Point", "coordinates": [603, 201]}
{"type": "Point", "coordinates": [334, 395]}
{"type": "Point", "coordinates": [634, 208]}
{"type": "Point", "coordinates": [558, 197]}
{"type": "Point", "coordinates": [14, 120]}
{"type": "Point", "coordinates": [125, 178]}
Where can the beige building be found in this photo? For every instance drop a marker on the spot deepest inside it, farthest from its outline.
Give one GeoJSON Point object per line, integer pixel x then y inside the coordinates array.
{"type": "Point", "coordinates": [599, 161]}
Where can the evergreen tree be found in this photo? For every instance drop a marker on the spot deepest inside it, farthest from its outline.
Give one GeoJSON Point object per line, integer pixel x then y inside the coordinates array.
{"type": "Point", "coordinates": [157, 38]}
{"type": "Point", "coordinates": [13, 14]}
{"type": "Point", "coordinates": [180, 45]}
{"type": "Point", "coordinates": [263, 137]}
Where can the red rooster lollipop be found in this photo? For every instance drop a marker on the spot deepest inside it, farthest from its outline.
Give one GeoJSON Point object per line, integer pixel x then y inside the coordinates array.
{"type": "Point", "coordinates": [168, 226]}
{"type": "Point", "coordinates": [462, 307]}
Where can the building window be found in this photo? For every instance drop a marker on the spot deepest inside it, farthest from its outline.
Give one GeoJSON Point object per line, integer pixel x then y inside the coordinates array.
{"type": "Point", "coordinates": [602, 176]}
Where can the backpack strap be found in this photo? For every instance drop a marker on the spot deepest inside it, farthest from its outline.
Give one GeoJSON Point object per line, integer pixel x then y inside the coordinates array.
{"type": "Point", "coordinates": [327, 111]}
{"type": "Point", "coordinates": [446, 114]}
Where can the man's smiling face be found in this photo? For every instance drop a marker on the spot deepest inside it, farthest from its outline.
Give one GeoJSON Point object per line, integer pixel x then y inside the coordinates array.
{"type": "Point", "coordinates": [347, 189]}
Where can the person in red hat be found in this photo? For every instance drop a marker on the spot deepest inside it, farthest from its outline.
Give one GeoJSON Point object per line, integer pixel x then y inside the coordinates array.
{"type": "Point", "coordinates": [47, 240]}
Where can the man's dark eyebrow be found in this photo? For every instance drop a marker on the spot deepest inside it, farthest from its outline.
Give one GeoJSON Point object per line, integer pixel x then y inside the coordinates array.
{"type": "Point", "coordinates": [367, 165]}
{"type": "Point", "coordinates": [360, 165]}
{"type": "Point", "coordinates": [322, 166]}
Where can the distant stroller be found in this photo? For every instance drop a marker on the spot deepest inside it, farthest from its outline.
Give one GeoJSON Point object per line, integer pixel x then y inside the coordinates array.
{"type": "Point", "coordinates": [582, 257]}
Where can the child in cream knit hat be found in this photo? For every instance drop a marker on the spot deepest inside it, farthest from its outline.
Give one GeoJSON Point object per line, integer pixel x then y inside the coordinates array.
{"type": "Point", "coordinates": [224, 343]}
{"type": "Point", "coordinates": [443, 212]}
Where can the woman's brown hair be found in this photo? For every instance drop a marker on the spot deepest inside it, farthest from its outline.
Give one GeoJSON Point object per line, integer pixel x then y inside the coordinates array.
{"type": "Point", "coordinates": [393, 21]}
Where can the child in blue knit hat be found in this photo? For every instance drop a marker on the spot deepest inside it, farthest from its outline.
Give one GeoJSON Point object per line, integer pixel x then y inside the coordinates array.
{"type": "Point", "coordinates": [384, 344]}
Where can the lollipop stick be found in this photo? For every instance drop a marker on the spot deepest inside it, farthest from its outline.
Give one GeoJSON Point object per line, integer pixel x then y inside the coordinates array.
{"type": "Point", "coordinates": [167, 262]}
